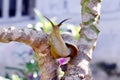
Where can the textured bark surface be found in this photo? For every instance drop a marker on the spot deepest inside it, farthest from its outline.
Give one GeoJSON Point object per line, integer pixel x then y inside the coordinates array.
{"type": "Point", "coordinates": [78, 67]}
{"type": "Point", "coordinates": [38, 41]}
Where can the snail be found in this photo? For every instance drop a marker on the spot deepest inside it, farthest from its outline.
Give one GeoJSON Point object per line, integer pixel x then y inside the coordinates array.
{"type": "Point", "coordinates": [60, 48]}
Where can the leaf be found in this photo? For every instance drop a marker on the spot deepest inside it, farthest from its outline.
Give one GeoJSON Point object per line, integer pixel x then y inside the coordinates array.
{"type": "Point", "coordinates": [46, 25]}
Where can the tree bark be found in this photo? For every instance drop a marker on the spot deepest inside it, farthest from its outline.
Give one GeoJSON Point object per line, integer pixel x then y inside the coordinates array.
{"type": "Point", "coordinates": [78, 67]}
{"type": "Point", "coordinates": [38, 41]}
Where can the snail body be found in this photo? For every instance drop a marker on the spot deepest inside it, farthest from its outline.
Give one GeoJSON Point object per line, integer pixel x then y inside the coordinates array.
{"type": "Point", "coordinates": [58, 47]}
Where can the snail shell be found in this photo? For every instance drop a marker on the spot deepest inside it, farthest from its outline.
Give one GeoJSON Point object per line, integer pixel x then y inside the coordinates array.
{"type": "Point", "coordinates": [73, 49]}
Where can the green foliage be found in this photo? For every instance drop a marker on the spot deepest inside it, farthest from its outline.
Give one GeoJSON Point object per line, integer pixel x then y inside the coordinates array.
{"type": "Point", "coordinates": [47, 27]}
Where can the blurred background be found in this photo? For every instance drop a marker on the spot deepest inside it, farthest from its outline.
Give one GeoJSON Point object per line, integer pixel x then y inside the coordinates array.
{"type": "Point", "coordinates": [17, 60]}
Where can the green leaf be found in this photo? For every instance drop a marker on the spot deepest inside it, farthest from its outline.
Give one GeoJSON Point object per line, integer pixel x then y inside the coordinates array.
{"type": "Point", "coordinates": [46, 25]}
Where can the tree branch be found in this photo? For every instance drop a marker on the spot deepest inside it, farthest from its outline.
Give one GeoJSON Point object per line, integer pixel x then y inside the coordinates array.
{"type": "Point", "coordinates": [78, 68]}
{"type": "Point", "coordinates": [38, 41]}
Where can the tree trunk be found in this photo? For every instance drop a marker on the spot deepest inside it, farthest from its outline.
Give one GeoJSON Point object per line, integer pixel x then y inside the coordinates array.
{"type": "Point", "coordinates": [78, 67]}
